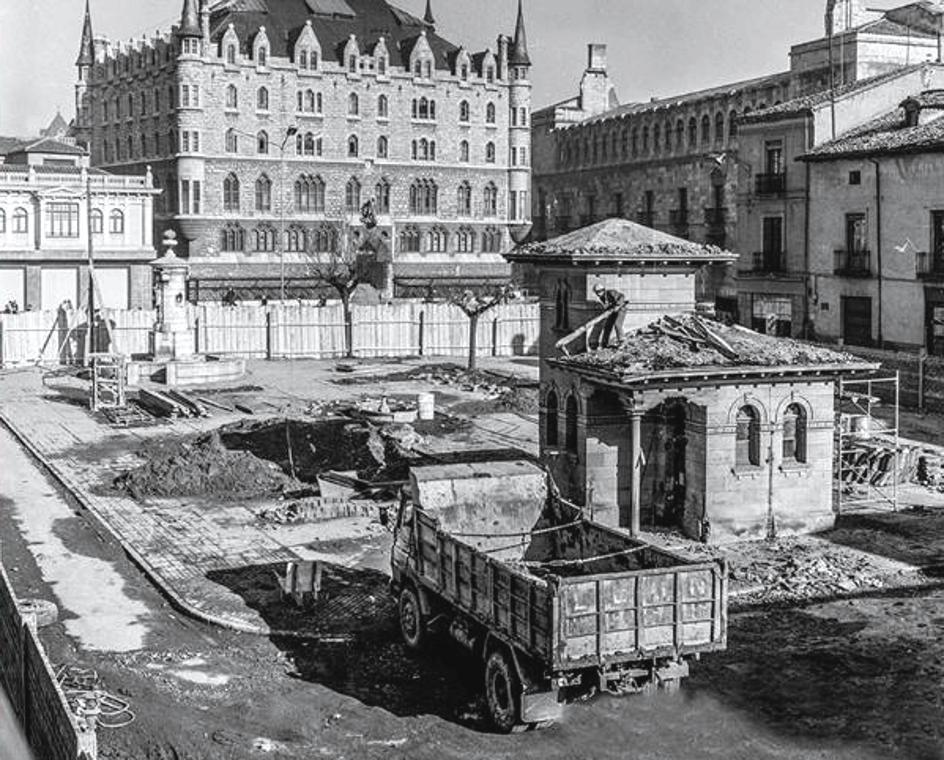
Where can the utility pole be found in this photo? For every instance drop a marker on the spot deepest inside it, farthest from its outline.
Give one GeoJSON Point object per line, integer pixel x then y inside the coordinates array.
{"type": "Point", "coordinates": [91, 265]}
{"type": "Point", "coordinates": [289, 134]}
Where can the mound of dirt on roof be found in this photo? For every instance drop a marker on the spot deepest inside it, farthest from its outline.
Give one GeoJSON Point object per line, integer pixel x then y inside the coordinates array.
{"type": "Point", "coordinates": [202, 467]}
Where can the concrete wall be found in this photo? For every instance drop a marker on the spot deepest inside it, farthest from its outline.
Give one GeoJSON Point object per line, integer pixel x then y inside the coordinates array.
{"type": "Point", "coordinates": [29, 680]}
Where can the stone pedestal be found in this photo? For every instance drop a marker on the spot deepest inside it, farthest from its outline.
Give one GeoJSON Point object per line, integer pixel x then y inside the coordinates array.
{"type": "Point", "coordinates": [173, 334]}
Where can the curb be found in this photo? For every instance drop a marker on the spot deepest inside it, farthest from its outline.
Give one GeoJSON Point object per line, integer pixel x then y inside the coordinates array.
{"type": "Point", "coordinates": [176, 599]}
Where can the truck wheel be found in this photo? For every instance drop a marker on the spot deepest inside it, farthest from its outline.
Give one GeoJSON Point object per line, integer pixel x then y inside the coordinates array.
{"type": "Point", "coordinates": [501, 691]}
{"type": "Point", "coordinates": [412, 622]}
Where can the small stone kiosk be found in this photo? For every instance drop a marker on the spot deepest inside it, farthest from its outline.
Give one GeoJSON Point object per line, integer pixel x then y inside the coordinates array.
{"type": "Point", "coordinates": [687, 423]}
{"type": "Point", "coordinates": [174, 360]}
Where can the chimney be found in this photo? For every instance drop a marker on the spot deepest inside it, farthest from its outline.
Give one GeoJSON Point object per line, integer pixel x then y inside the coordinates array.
{"type": "Point", "coordinates": [596, 58]}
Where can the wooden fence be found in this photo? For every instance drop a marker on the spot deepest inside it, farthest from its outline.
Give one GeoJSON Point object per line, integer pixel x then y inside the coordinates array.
{"type": "Point", "coordinates": [280, 331]}
{"type": "Point", "coordinates": [30, 682]}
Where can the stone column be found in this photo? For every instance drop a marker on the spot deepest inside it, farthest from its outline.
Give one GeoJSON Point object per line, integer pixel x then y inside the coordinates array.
{"type": "Point", "coordinates": [173, 336]}
{"type": "Point", "coordinates": [635, 508]}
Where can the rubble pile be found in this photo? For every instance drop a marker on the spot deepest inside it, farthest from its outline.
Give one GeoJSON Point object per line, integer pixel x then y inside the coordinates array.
{"type": "Point", "coordinates": [872, 462]}
{"type": "Point", "coordinates": [501, 393]}
{"type": "Point", "coordinates": [798, 571]}
{"type": "Point", "coordinates": [202, 467]}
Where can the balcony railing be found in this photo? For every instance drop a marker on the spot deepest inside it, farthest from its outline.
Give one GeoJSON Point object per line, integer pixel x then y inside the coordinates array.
{"type": "Point", "coordinates": [769, 262]}
{"type": "Point", "coordinates": [929, 265]}
{"type": "Point", "coordinates": [716, 217]}
{"type": "Point", "coordinates": [770, 184]}
{"type": "Point", "coordinates": [853, 263]}
{"type": "Point", "coordinates": [646, 218]}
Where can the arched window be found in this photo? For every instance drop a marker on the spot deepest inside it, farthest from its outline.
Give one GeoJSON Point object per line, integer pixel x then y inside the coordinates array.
{"type": "Point", "coordinates": [262, 57]}
{"type": "Point", "coordinates": [465, 240]}
{"type": "Point", "coordinates": [679, 135]}
{"type": "Point", "coordinates": [383, 107]}
{"type": "Point", "coordinates": [231, 193]}
{"type": "Point", "coordinates": [490, 113]}
{"type": "Point", "coordinates": [562, 306]}
{"type": "Point", "coordinates": [310, 101]}
{"type": "Point", "coordinates": [309, 194]}
{"type": "Point", "coordinates": [323, 239]}
{"type": "Point", "coordinates": [305, 144]}
{"type": "Point", "coordinates": [383, 147]}
{"type": "Point", "coordinates": [20, 220]}
{"type": "Point", "coordinates": [424, 197]}
{"type": "Point", "coordinates": [692, 132]}
{"type": "Point", "coordinates": [551, 417]}
{"type": "Point", "coordinates": [382, 197]}
{"type": "Point", "coordinates": [232, 141]}
{"type": "Point", "coordinates": [719, 128]}
{"type": "Point", "coordinates": [705, 129]}
{"type": "Point", "coordinates": [464, 111]}
{"type": "Point", "coordinates": [794, 434]}
{"type": "Point", "coordinates": [438, 240]}
{"type": "Point", "coordinates": [262, 99]}
{"type": "Point", "coordinates": [116, 222]}
{"type": "Point", "coordinates": [570, 425]}
{"type": "Point", "coordinates": [262, 143]}
{"type": "Point", "coordinates": [263, 238]}
{"type": "Point", "coordinates": [464, 151]}
{"type": "Point", "coordinates": [231, 54]}
{"type": "Point", "coordinates": [490, 153]}
{"type": "Point", "coordinates": [410, 239]}
{"type": "Point", "coordinates": [353, 146]}
{"type": "Point", "coordinates": [232, 238]}
{"type": "Point", "coordinates": [353, 105]}
{"type": "Point", "coordinates": [645, 140]}
{"type": "Point", "coordinates": [232, 97]}
{"type": "Point", "coordinates": [303, 58]}
{"type": "Point", "coordinates": [296, 239]}
{"type": "Point", "coordinates": [491, 240]}
{"type": "Point", "coordinates": [464, 199]}
{"type": "Point", "coordinates": [263, 194]}
{"type": "Point", "coordinates": [732, 125]}
{"type": "Point", "coordinates": [747, 452]}
{"type": "Point", "coordinates": [352, 195]}
{"type": "Point", "coordinates": [490, 200]}
{"type": "Point", "coordinates": [656, 139]}
{"type": "Point", "coordinates": [96, 222]}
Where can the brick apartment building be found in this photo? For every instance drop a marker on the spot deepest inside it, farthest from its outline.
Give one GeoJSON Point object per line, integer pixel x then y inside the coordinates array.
{"type": "Point", "coordinates": [269, 123]}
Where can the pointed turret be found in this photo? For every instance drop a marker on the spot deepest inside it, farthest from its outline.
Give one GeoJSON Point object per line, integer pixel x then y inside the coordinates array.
{"type": "Point", "coordinates": [519, 48]}
{"type": "Point", "coordinates": [86, 49]}
{"type": "Point", "coordinates": [428, 16]}
{"type": "Point", "coordinates": [190, 20]}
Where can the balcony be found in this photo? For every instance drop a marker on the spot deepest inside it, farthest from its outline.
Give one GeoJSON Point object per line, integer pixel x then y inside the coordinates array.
{"type": "Point", "coordinates": [853, 263]}
{"type": "Point", "coordinates": [929, 265]}
{"type": "Point", "coordinates": [770, 184]}
{"type": "Point", "coordinates": [646, 218]}
{"type": "Point", "coordinates": [678, 221]}
{"type": "Point", "coordinates": [767, 262]}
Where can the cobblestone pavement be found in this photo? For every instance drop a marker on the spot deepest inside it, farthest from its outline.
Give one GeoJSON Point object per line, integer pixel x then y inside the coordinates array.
{"type": "Point", "coordinates": [183, 546]}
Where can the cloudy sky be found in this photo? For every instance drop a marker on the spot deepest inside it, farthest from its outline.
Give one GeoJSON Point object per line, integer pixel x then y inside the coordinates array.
{"type": "Point", "coordinates": [657, 47]}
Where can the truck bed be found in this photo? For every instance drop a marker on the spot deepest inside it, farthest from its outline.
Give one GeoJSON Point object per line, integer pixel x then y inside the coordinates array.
{"type": "Point", "coordinates": [574, 594]}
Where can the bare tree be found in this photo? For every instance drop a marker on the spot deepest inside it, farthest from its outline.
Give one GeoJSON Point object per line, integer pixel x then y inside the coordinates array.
{"type": "Point", "coordinates": [476, 303]}
{"type": "Point", "coordinates": [348, 262]}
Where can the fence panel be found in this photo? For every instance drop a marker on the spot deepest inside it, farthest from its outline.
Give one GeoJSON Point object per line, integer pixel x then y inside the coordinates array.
{"type": "Point", "coordinates": [232, 331]}
{"type": "Point", "coordinates": [387, 329]}
{"type": "Point", "coordinates": [517, 329]}
{"type": "Point", "coordinates": [306, 331]}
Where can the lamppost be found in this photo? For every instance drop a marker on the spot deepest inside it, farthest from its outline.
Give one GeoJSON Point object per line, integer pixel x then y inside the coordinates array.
{"type": "Point", "coordinates": [290, 132]}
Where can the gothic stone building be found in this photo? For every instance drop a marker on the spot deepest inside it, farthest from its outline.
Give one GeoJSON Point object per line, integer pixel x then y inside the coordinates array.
{"type": "Point", "coordinates": [269, 124]}
{"type": "Point", "coordinates": [719, 431]}
{"type": "Point", "coordinates": [675, 163]}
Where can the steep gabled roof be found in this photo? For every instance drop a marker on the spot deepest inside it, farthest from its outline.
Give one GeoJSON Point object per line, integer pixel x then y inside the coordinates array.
{"type": "Point", "coordinates": [371, 19]}
{"type": "Point", "coordinates": [619, 240]}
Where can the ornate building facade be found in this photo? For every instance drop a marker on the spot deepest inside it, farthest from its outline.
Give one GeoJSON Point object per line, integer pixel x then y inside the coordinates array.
{"type": "Point", "coordinates": [269, 124]}
{"type": "Point", "coordinates": [676, 163]}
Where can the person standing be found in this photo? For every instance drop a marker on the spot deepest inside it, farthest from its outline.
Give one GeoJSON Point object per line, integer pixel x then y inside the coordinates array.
{"type": "Point", "coordinates": [612, 301]}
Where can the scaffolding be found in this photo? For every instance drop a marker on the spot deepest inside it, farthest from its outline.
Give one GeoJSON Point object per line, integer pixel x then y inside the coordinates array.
{"type": "Point", "coordinates": [868, 464]}
{"type": "Point", "coordinates": [109, 372]}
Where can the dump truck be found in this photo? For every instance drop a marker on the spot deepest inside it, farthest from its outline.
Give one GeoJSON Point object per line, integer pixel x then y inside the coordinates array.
{"type": "Point", "coordinates": [555, 606]}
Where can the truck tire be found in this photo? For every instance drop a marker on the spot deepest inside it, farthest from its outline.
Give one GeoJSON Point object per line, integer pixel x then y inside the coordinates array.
{"type": "Point", "coordinates": [502, 693]}
{"type": "Point", "coordinates": [412, 620]}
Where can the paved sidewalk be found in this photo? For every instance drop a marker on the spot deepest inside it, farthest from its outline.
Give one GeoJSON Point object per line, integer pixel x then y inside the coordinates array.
{"type": "Point", "coordinates": [205, 558]}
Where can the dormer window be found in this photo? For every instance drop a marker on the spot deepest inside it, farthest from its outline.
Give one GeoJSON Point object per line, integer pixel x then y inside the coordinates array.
{"type": "Point", "coordinates": [262, 57]}
{"type": "Point", "coordinates": [231, 55]}
{"type": "Point", "coordinates": [464, 72]}
{"type": "Point", "coordinates": [352, 64]}
{"type": "Point", "coordinates": [303, 59]}
{"type": "Point", "coordinates": [912, 113]}
{"type": "Point", "coordinates": [490, 74]}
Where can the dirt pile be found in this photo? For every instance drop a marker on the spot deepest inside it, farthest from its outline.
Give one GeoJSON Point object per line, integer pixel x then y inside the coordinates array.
{"type": "Point", "coordinates": [502, 393]}
{"type": "Point", "coordinates": [202, 467]}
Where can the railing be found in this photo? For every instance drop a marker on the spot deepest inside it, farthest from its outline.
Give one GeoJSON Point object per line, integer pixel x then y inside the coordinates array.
{"type": "Point", "coordinates": [646, 218]}
{"type": "Point", "coordinates": [929, 265]}
{"type": "Point", "coordinates": [853, 263]}
{"type": "Point", "coordinates": [716, 217]}
{"type": "Point", "coordinates": [770, 184]}
{"type": "Point", "coordinates": [768, 261]}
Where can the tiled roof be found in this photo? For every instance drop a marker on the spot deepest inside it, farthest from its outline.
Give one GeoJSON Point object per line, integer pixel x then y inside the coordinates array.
{"type": "Point", "coordinates": [616, 240]}
{"type": "Point", "coordinates": [9, 144]}
{"type": "Point", "coordinates": [659, 103]}
{"type": "Point", "coordinates": [673, 345]}
{"type": "Point", "coordinates": [285, 19]}
{"type": "Point", "coordinates": [805, 104]}
{"type": "Point", "coordinates": [889, 133]}
{"type": "Point", "coordinates": [49, 145]}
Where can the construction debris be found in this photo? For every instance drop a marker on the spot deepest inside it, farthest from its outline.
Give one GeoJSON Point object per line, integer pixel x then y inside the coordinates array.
{"type": "Point", "coordinates": [170, 403]}
{"type": "Point", "coordinates": [88, 698]}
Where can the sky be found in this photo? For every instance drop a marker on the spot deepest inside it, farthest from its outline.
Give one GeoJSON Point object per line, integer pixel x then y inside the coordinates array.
{"type": "Point", "coordinates": [657, 48]}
